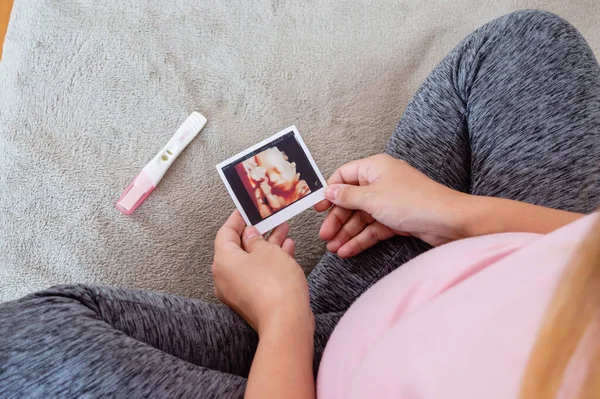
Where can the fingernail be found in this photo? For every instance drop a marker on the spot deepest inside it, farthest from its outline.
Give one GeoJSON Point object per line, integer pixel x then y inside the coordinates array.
{"type": "Point", "coordinates": [331, 192]}
{"type": "Point", "coordinates": [250, 232]}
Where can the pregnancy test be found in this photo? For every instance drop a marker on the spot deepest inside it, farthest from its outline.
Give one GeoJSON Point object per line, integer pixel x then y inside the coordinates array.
{"type": "Point", "coordinates": [150, 176]}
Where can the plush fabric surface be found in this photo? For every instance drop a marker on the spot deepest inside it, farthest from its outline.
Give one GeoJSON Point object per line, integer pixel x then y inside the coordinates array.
{"type": "Point", "coordinates": [90, 91]}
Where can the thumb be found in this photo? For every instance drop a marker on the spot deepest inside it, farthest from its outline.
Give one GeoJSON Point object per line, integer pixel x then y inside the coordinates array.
{"type": "Point", "coordinates": [252, 239]}
{"type": "Point", "coordinates": [348, 196]}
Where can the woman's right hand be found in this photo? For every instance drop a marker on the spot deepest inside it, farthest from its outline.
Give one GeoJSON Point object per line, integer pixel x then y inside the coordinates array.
{"type": "Point", "coordinates": [377, 197]}
{"type": "Point", "coordinates": [259, 278]}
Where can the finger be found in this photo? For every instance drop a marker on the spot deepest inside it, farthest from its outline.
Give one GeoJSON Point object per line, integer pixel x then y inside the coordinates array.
{"type": "Point", "coordinates": [322, 206]}
{"type": "Point", "coordinates": [230, 233]}
{"type": "Point", "coordinates": [348, 173]}
{"type": "Point", "coordinates": [279, 234]}
{"type": "Point", "coordinates": [370, 236]}
{"type": "Point", "coordinates": [289, 246]}
{"type": "Point", "coordinates": [349, 196]}
{"type": "Point", "coordinates": [252, 240]}
{"type": "Point", "coordinates": [333, 222]}
{"type": "Point", "coordinates": [357, 223]}
{"type": "Point", "coordinates": [352, 173]}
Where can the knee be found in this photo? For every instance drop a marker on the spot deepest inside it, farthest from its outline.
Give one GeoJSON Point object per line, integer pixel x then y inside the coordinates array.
{"type": "Point", "coordinates": [527, 22]}
{"type": "Point", "coordinates": [537, 34]}
{"type": "Point", "coordinates": [66, 293]}
{"type": "Point", "coordinates": [56, 303]}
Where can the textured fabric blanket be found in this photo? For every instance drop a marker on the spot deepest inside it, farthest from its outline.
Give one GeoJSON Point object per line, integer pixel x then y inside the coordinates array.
{"type": "Point", "coordinates": [90, 91]}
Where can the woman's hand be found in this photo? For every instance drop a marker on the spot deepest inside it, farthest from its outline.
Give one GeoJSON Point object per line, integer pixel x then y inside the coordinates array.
{"type": "Point", "coordinates": [262, 282]}
{"type": "Point", "coordinates": [259, 278]}
{"type": "Point", "coordinates": [377, 197]}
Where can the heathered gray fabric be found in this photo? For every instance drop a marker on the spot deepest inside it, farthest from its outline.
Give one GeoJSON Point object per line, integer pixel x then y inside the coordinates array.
{"type": "Point", "coordinates": [513, 111]}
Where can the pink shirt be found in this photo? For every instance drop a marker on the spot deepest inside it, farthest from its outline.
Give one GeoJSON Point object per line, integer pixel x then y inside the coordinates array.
{"type": "Point", "coordinates": [456, 322]}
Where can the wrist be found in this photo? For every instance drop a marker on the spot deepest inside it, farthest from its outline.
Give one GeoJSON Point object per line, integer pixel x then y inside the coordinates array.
{"type": "Point", "coordinates": [296, 320]}
{"type": "Point", "coordinates": [476, 215]}
{"type": "Point", "coordinates": [455, 216]}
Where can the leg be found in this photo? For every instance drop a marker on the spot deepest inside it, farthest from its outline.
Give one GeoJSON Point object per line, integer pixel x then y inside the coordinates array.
{"type": "Point", "coordinates": [513, 111]}
{"type": "Point", "coordinates": [126, 343]}
{"type": "Point", "coordinates": [534, 115]}
{"type": "Point", "coordinates": [61, 342]}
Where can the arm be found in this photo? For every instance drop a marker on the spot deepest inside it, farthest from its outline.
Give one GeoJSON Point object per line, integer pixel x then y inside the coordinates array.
{"type": "Point", "coordinates": [377, 197]}
{"type": "Point", "coordinates": [488, 215]}
{"type": "Point", "coordinates": [282, 366]}
{"type": "Point", "coordinates": [262, 282]}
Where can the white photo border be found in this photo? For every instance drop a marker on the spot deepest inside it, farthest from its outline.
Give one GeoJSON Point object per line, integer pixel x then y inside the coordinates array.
{"type": "Point", "coordinates": [291, 210]}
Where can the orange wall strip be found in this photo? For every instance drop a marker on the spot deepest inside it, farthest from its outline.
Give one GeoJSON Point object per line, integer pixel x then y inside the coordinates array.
{"type": "Point", "coordinates": [5, 8]}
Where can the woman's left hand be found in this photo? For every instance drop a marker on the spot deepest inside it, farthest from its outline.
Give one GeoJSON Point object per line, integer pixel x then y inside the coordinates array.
{"type": "Point", "coordinates": [259, 278]}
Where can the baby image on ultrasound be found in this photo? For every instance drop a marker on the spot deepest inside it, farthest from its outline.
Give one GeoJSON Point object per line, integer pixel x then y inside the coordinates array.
{"type": "Point", "coordinates": [272, 181]}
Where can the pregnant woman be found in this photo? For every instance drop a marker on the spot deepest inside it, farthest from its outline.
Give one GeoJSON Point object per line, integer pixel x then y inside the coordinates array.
{"type": "Point", "coordinates": [497, 157]}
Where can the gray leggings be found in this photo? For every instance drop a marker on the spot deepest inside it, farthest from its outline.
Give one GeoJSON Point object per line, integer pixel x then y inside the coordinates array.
{"type": "Point", "coordinates": [513, 112]}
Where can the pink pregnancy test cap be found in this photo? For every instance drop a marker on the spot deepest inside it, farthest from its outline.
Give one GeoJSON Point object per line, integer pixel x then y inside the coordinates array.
{"type": "Point", "coordinates": [135, 193]}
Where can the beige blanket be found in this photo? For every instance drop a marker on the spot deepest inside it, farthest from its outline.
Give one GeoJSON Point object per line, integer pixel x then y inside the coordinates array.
{"type": "Point", "coordinates": [91, 90]}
